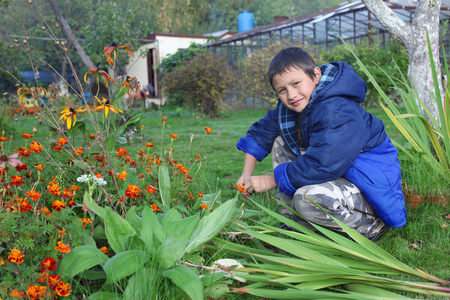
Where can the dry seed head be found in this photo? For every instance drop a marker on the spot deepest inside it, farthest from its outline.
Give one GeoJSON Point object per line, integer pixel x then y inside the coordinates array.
{"type": "Point", "coordinates": [25, 41]}
{"type": "Point", "coordinates": [43, 27]}
{"type": "Point", "coordinates": [28, 49]}
{"type": "Point", "coordinates": [17, 45]}
{"type": "Point", "coordinates": [65, 49]}
{"type": "Point", "coordinates": [5, 93]}
{"type": "Point", "coordinates": [16, 40]}
{"type": "Point", "coordinates": [57, 42]}
{"type": "Point", "coordinates": [29, 1]}
{"type": "Point", "coordinates": [56, 25]}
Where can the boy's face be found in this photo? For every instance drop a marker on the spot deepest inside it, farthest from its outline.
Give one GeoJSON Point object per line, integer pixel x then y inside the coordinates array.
{"type": "Point", "coordinates": [294, 87]}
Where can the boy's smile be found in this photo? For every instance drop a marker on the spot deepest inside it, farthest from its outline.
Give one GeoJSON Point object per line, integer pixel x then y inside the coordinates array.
{"type": "Point", "coordinates": [294, 87]}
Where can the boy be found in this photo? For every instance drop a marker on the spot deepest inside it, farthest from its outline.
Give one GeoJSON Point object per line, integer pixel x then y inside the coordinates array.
{"type": "Point", "coordinates": [326, 147]}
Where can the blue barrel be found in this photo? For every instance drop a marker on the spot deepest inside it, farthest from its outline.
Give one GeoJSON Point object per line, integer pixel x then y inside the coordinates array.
{"type": "Point", "coordinates": [245, 21]}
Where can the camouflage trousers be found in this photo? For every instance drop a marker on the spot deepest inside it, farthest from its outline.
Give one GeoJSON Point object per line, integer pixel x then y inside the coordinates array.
{"type": "Point", "coordinates": [340, 198]}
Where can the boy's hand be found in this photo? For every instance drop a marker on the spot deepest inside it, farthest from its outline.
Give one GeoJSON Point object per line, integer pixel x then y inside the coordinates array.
{"type": "Point", "coordinates": [261, 184]}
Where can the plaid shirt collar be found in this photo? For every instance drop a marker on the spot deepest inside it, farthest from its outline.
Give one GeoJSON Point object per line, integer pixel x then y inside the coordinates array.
{"type": "Point", "coordinates": [288, 119]}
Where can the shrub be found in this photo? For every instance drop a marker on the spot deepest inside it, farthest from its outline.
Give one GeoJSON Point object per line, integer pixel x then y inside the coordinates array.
{"type": "Point", "coordinates": [253, 72]}
{"type": "Point", "coordinates": [376, 58]}
{"type": "Point", "coordinates": [200, 82]}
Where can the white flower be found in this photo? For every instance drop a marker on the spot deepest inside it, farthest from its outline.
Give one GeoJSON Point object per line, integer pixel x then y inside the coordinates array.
{"type": "Point", "coordinates": [84, 178]}
{"type": "Point", "coordinates": [100, 181]}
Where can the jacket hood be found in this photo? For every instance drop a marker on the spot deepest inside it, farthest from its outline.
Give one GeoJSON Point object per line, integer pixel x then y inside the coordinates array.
{"type": "Point", "coordinates": [345, 83]}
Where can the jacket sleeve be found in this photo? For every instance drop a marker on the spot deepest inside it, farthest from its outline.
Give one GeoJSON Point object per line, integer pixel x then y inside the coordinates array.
{"type": "Point", "coordinates": [260, 137]}
{"type": "Point", "coordinates": [336, 135]}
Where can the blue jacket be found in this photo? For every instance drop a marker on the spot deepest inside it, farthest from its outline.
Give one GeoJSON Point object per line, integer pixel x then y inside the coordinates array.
{"type": "Point", "coordinates": [338, 138]}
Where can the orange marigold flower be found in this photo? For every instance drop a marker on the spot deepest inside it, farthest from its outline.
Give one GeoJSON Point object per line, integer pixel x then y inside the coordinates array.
{"type": "Point", "coordinates": [62, 141]}
{"type": "Point", "coordinates": [58, 205]}
{"type": "Point", "coordinates": [2, 261]}
{"type": "Point", "coordinates": [16, 294]}
{"type": "Point", "coordinates": [3, 139]}
{"type": "Point", "coordinates": [85, 221]}
{"type": "Point", "coordinates": [204, 206]}
{"type": "Point", "coordinates": [27, 136]}
{"type": "Point", "coordinates": [67, 194]}
{"type": "Point", "coordinates": [49, 264]}
{"type": "Point", "coordinates": [63, 289]}
{"type": "Point", "coordinates": [16, 180]}
{"type": "Point", "coordinates": [190, 196]}
{"type": "Point", "coordinates": [54, 189]}
{"type": "Point", "coordinates": [57, 148]}
{"type": "Point", "coordinates": [155, 207]}
{"type": "Point", "coordinates": [15, 256]}
{"type": "Point", "coordinates": [132, 191]}
{"type": "Point", "coordinates": [148, 145]}
{"type": "Point", "coordinates": [21, 167]}
{"type": "Point", "coordinates": [141, 176]}
{"type": "Point", "coordinates": [200, 195]}
{"type": "Point", "coordinates": [75, 188]}
{"type": "Point", "coordinates": [36, 147]}
{"type": "Point", "coordinates": [23, 152]}
{"type": "Point", "coordinates": [33, 195]}
{"type": "Point", "coordinates": [150, 189]}
{"type": "Point", "coordinates": [62, 247]}
{"type": "Point", "coordinates": [78, 151]}
{"type": "Point", "coordinates": [122, 176]}
{"type": "Point", "coordinates": [164, 120]}
{"type": "Point", "coordinates": [174, 136]}
{"type": "Point", "coordinates": [241, 188]}
{"type": "Point", "coordinates": [35, 292]}
{"type": "Point", "coordinates": [197, 157]}
{"type": "Point", "coordinates": [121, 199]}
{"type": "Point", "coordinates": [71, 203]}
{"type": "Point", "coordinates": [208, 130]}
{"type": "Point", "coordinates": [121, 152]}
{"type": "Point", "coordinates": [53, 281]}
{"type": "Point", "coordinates": [92, 137]}
{"type": "Point", "coordinates": [61, 233]}
{"type": "Point", "coordinates": [104, 250]}
{"type": "Point", "coordinates": [25, 206]}
{"type": "Point", "coordinates": [39, 167]}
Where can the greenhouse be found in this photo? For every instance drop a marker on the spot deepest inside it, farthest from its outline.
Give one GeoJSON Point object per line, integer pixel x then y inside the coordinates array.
{"type": "Point", "coordinates": [350, 21]}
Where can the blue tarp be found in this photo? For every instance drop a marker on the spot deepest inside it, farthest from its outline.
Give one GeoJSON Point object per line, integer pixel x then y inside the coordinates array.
{"type": "Point", "coordinates": [43, 76]}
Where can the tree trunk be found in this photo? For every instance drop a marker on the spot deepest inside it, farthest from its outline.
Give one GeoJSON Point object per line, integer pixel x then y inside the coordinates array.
{"type": "Point", "coordinates": [71, 36]}
{"type": "Point", "coordinates": [414, 38]}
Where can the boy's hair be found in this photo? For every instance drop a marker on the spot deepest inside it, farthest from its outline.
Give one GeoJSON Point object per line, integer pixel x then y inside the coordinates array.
{"type": "Point", "coordinates": [292, 57]}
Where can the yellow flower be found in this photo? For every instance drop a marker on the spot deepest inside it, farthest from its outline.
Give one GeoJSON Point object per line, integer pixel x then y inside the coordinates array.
{"type": "Point", "coordinates": [106, 107]}
{"type": "Point", "coordinates": [97, 73]}
{"type": "Point", "coordinates": [69, 113]}
{"type": "Point", "coordinates": [34, 92]}
{"type": "Point", "coordinates": [108, 50]}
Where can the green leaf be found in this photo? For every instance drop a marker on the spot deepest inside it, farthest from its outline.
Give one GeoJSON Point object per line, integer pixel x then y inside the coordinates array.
{"type": "Point", "coordinates": [117, 230]}
{"type": "Point", "coordinates": [149, 224]}
{"type": "Point", "coordinates": [94, 207]}
{"type": "Point", "coordinates": [171, 250]}
{"type": "Point", "coordinates": [80, 259]}
{"type": "Point", "coordinates": [183, 226]}
{"type": "Point", "coordinates": [120, 130]}
{"type": "Point", "coordinates": [133, 120]}
{"type": "Point", "coordinates": [134, 242]}
{"type": "Point", "coordinates": [187, 280]}
{"type": "Point", "coordinates": [124, 264]}
{"type": "Point", "coordinates": [103, 295]}
{"type": "Point", "coordinates": [89, 241]}
{"type": "Point", "coordinates": [120, 95]}
{"type": "Point", "coordinates": [164, 185]}
{"type": "Point", "coordinates": [110, 142]}
{"type": "Point", "coordinates": [121, 140]}
{"type": "Point", "coordinates": [210, 225]}
{"type": "Point", "coordinates": [134, 219]}
{"type": "Point", "coordinates": [139, 286]}
{"type": "Point", "coordinates": [93, 275]}
{"type": "Point", "coordinates": [216, 290]}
